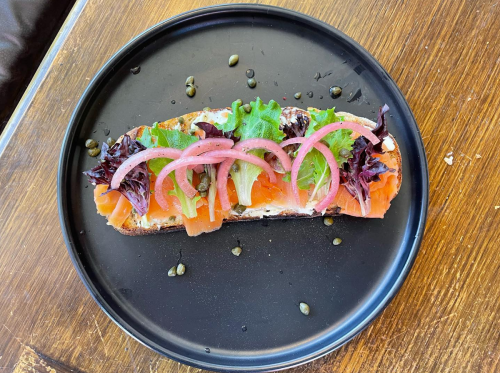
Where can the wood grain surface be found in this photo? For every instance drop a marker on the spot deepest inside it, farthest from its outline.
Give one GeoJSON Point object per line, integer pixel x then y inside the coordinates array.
{"type": "Point", "coordinates": [445, 57]}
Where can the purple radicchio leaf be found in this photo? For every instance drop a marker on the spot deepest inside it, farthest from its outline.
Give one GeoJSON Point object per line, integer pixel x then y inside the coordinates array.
{"type": "Point", "coordinates": [212, 131]}
{"type": "Point", "coordinates": [363, 168]}
{"type": "Point", "coordinates": [297, 129]}
{"type": "Point", "coordinates": [136, 185]}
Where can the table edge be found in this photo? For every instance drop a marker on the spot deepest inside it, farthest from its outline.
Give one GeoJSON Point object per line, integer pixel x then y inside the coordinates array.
{"type": "Point", "coordinates": [40, 74]}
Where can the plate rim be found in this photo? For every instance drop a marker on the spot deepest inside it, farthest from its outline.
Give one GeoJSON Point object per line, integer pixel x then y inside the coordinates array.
{"type": "Point", "coordinates": [87, 96]}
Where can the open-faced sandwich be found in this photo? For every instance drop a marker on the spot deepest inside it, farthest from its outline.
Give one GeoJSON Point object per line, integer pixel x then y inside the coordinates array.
{"type": "Point", "coordinates": [246, 162]}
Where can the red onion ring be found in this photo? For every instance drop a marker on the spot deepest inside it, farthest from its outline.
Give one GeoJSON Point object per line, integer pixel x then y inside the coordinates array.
{"type": "Point", "coordinates": [268, 145]}
{"type": "Point", "coordinates": [332, 163]}
{"type": "Point", "coordinates": [223, 173]}
{"type": "Point", "coordinates": [172, 166]}
{"type": "Point", "coordinates": [317, 136]}
{"type": "Point", "coordinates": [197, 148]}
{"type": "Point", "coordinates": [140, 157]}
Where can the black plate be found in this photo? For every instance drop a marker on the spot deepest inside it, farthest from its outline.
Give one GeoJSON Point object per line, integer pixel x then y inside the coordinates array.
{"type": "Point", "coordinates": [283, 262]}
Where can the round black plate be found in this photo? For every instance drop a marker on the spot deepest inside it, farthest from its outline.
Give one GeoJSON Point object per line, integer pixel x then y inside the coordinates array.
{"type": "Point", "coordinates": [243, 310]}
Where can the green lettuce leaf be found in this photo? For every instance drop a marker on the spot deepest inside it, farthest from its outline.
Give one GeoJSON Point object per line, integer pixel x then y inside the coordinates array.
{"type": "Point", "coordinates": [157, 164]}
{"type": "Point", "coordinates": [321, 169]}
{"type": "Point", "coordinates": [321, 118]}
{"type": "Point", "coordinates": [234, 120]}
{"type": "Point", "coordinates": [262, 122]}
{"type": "Point", "coordinates": [146, 139]}
{"type": "Point", "coordinates": [340, 139]}
{"type": "Point", "coordinates": [177, 139]}
{"type": "Point", "coordinates": [335, 140]}
{"type": "Point", "coordinates": [305, 176]}
{"type": "Point", "coordinates": [155, 136]}
{"type": "Point", "coordinates": [243, 181]}
{"type": "Point", "coordinates": [314, 170]}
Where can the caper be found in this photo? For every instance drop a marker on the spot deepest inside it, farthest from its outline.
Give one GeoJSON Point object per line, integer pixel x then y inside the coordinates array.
{"type": "Point", "coordinates": [304, 308]}
{"type": "Point", "coordinates": [172, 271]}
{"type": "Point", "coordinates": [235, 167]}
{"type": "Point", "coordinates": [298, 95]}
{"type": "Point", "coordinates": [94, 152]}
{"type": "Point", "coordinates": [190, 80]}
{"type": "Point", "coordinates": [110, 141]}
{"type": "Point", "coordinates": [204, 178]}
{"type": "Point", "coordinates": [171, 218]}
{"type": "Point", "coordinates": [181, 269]}
{"type": "Point", "coordinates": [239, 102]}
{"type": "Point", "coordinates": [91, 144]}
{"type": "Point", "coordinates": [233, 60]}
{"type": "Point", "coordinates": [344, 153]}
{"type": "Point", "coordinates": [328, 221]}
{"type": "Point", "coordinates": [191, 90]}
{"type": "Point", "coordinates": [236, 251]}
{"type": "Point", "coordinates": [247, 108]}
{"type": "Point", "coordinates": [206, 108]}
{"type": "Point", "coordinates": [203, 194]}
{"type": "Point", "coordinates": [252, 82]}
{"type": "Point", "coordinates": [239, 209]}
{"type": "Point", "coordinates": [337, 241]}
{"type": "Point", "coordinates": [202, 187]}
{"type": "Point", "coordinates": [181, 120]}
{"type": "Point", "coordinates": [250, 73]}
{"type": "Point", "coordinates": [335, 91]}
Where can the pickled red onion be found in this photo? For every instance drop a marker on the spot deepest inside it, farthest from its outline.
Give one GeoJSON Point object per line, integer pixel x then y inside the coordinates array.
{"type": "Point", "coordinates": [332, 163]}
{"type": "Point", "coordinates": [172, 166]}
{"type": "Point", "coordinates": [197, 148]}
{"type": "Point", "coordinates": [226, 165]}
{"type": "Point", "coordinates": [317, 136]}
{"type": "Point", "coordinates": [268, 145]}
{"type": "Point", "coordinates": [247, 145]}
{"type": "Point", "coordinates": [197, 168]}
{"type": "Point", "coordinates": [222, 176]}
{"type": "Point", "coordinates": [140, 157]}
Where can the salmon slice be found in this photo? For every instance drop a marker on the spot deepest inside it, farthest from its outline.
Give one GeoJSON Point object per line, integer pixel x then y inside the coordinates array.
{"type": "Point", "coordinates": [279, 194]}
{"type": "Point", "coordinates": [112, 205]}
{"type": "Point", "coordinates": [262, 193]}
{"type": "Point", "coordinates": [381, 193]}
{"type": "Point", "coordinates": [231, 191]}
{"type": "Point", "coordinates": [107, 203]}
{"type": "Point", "coordinates": [155, 212]}
{"type": "Point", "coordinates": [120, 213]}
{"type": "Point", "coordinates": [201, 223]}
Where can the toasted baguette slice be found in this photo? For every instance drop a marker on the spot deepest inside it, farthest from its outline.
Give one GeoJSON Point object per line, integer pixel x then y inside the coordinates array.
{"type": "Point", "coordinates": [135, 225]}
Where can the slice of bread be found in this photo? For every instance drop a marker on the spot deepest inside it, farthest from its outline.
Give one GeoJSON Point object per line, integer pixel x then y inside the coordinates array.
{"type": "Point", "coordinates": [135, 225]}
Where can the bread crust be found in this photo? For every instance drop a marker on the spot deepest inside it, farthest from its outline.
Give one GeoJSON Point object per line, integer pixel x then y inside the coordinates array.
{"type": "Point", "coordinates": [133, 226]}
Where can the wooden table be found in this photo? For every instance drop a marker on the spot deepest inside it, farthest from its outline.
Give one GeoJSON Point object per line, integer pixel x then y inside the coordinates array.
{"type": "Point", "coordinates": [444, 55]}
